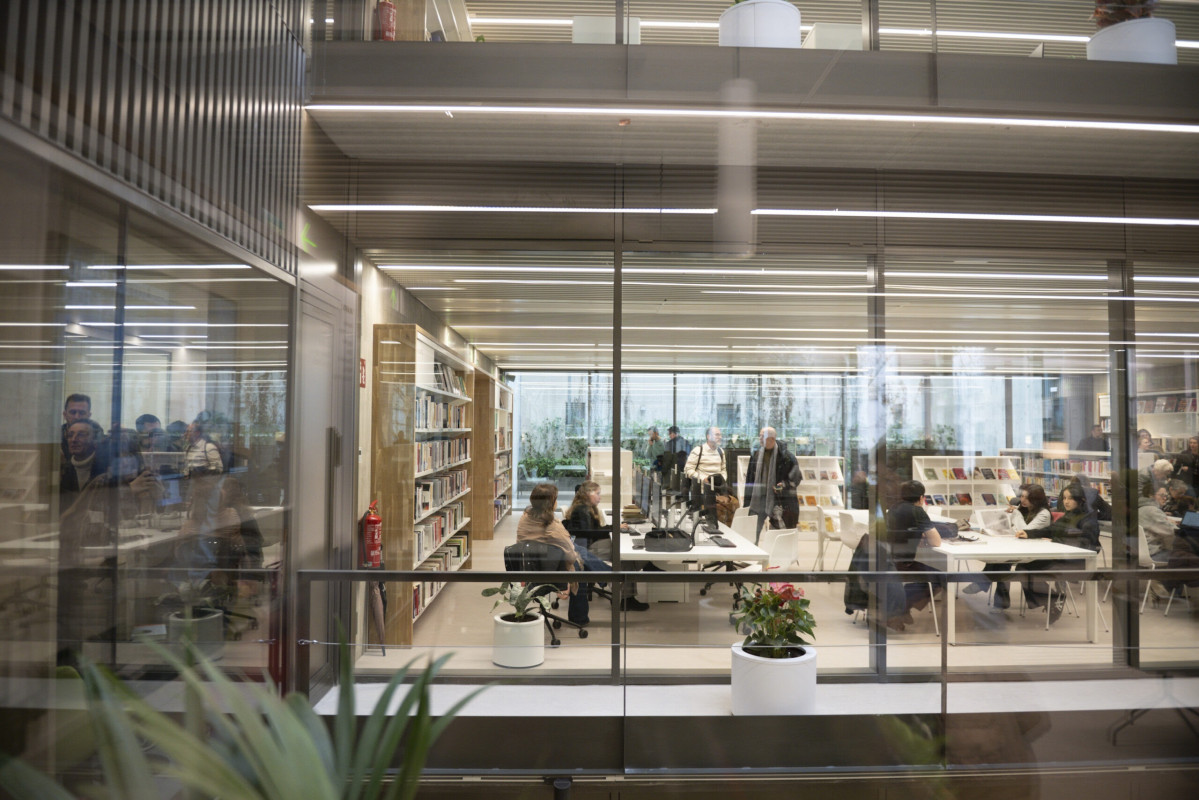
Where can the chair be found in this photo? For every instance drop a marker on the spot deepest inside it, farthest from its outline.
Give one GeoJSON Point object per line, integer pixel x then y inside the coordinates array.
{"type": "Point", "coordinates": [742, 511]}
{"type": "Point", "coordinates": [590, 536]}
{"type": "Point", "coordinates": [542, 557]}
{"type": "Point", "coordinates": [850, 534]}
{"type": "Point", "coordinates": [746, 526]}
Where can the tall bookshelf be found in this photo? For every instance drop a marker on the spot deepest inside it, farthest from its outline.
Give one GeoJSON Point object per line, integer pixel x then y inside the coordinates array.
{"type": "Point", "coordinates": [493, 470]}
{"type": "Point", "coordinates": [960, 484]}
{"type": "Point", "coordinates": [1171, 416]}
{"type": "Point", "coordinates": [421, 465]}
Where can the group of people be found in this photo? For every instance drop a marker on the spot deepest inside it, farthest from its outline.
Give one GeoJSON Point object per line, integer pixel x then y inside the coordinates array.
{"type": "Point", "coordinates": [909, 526]}
{"type": "Point", "coordinates": [106, 480]}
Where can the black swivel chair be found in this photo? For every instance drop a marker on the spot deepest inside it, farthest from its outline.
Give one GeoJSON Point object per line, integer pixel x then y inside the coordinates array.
{"type": "Point", "coordinates": [591, 536]}
{"type": "Point", "coordinates": [542, 557]}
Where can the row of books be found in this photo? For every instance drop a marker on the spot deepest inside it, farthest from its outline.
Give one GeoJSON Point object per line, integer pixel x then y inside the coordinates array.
{"type": "Point", "coordinates": [447, 380]}
{"type": "Point", "coordinates": [812, 525]}
{"type": "Point", "coordinates": [500, 508]}
{"type": "Point", "coordinates": [503, 463]}
{"type": "Point", "coordinates": [502, 484]}
{"type": "Point", "coordinates": [978, 474]}
{"type": "Point", "coordinates": [450, 556]}
{"type": "Point", "coordinates": [430, 533]}
{"type": "Point", "coordinates": [1167, 404]}
{"type": "Point", "coordinates": [967, 499]}
{"type": "Point", "coordinates": [503, 440]}
{"type": "Point", "coordinates": [825, 475]}
{"type": "Point", "coordinates": [433, 492]}
{"type": "Point", "coordinates": [826, 500]}
{"type": "Point", "coordinates": [1095, 469]}
{"type": "Point", "coordinates": [437, 453]}
{"type": "Point", "coordinates": [433, 413]}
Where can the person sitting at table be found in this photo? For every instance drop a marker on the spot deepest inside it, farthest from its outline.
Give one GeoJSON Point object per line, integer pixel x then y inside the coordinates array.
{"type": "Point", "coordinates": [1076, 526]}
{"type": "Point", "coordinates": [1095, 501]}
{"type": "Point", "coordinates": [585, 514]}
{"type": "Point", "coordinates": [908, 526]}
{"type": "Point", "coordinates": [1034, 513]}
{"type": "Point", "coordinates": [1145, 443]}
{"type": "Point", "coordinates": [1156, 474]}
{"type": "Point", "coordinates": [1177, 492]}
{"type": "Point", "coordinates": [538, 524]}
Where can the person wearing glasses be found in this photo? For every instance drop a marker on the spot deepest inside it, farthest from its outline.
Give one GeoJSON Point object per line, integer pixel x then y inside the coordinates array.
{"type": "Point", "coordinates": [707, 459]}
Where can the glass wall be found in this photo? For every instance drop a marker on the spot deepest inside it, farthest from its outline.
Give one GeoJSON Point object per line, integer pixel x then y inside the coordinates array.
{"type": "Point", "coordinates": [143, 449]}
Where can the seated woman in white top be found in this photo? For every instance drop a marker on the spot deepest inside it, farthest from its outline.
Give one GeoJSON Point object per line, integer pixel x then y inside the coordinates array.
{"type": "Point", "coordinates": [1034, 511]}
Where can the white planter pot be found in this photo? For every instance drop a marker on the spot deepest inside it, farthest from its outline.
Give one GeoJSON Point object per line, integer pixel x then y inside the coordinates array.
{"type": "Point", "coordinates": [760, 23]}
{"type": "Point", "coordinates": [206, 629]}
{"type": "Point", "coordinates": [773, 686]}
{"type": "Point", "coordinates": [1149, 40]}
{"type": "Point", "coordinates": [518, 644]}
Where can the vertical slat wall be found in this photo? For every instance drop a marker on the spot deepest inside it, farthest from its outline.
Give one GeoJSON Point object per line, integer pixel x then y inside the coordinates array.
{"type": "Point", "coordinates": [196, 103]}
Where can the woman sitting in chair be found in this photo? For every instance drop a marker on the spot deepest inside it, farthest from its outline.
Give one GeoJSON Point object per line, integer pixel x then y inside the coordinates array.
{"type": "Point", "coordinates": [584, 514]}
{"type": "Point", "coordinates": [1077, 526]}
{"type": "Point", "coordinates": [537, 524]}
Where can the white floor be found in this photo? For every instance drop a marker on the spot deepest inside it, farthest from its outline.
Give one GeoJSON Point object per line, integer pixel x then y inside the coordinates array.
{"type": "Point", "coordinates": [691, 639]}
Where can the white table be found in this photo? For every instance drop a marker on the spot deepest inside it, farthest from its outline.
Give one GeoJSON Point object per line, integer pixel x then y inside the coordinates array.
{"type": "Point", "coordinates": [952, 556]}
{"type": "Point", "coordinates": [704, 551]}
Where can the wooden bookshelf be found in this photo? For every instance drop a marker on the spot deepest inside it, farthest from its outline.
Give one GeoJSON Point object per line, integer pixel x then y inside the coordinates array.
{"type": "Point", "coordinates": [493, 472]}
{"type": "Point", "coordinates": [421, 464]}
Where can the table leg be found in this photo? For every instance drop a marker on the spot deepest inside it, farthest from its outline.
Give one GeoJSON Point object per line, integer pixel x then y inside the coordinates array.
{"type": "Point", "coordinates": [1092, 606]}
{"type": "Point", "coordinates": [951, 617]}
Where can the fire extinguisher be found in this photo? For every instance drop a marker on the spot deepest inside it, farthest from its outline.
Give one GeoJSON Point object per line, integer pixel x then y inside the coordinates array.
{"type": "Point", "coordinates": [385, 21]}
{"type": "Point", "coordinates": [371, 530]}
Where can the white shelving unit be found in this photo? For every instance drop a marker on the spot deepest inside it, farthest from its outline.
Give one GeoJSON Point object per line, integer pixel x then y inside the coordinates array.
{"type": "Point", "coordinates": [821, 492]}
{"type": "Point", "coordinates": [960, 484]}
{"type": "Point", "coordinates": [1054, 468]}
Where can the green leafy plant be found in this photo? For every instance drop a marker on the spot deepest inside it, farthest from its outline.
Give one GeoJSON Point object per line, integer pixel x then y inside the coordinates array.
{"type": "Point", "coordinates": [775, 618]}
{"type": "Point", "coordinates": [1111, 13]}
{"type": "Point", "coordinates": [240, 740]}
{"type": "Point", "coordinates": [520, 596]}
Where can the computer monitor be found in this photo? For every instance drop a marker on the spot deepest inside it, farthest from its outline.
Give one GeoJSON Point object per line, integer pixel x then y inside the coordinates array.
{"type": "Point", "coordinates": [655, 503]}
{"type": "Point", "coordinates": [643, 499]}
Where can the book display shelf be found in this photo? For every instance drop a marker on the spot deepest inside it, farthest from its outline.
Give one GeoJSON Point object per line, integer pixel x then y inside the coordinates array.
{"type": "Point", "coordinates": [821, 492]}
{"type": "Point", "coordinates": [493, 454]}
{"type": "Point", "coordinates": [956, 485]}
{"type": "Point", "coordinates": [1171, 416]}
{"type": "Point", "coordinates": [1054, 468]}
{"type": "Point", "coordinates": [421, 465]}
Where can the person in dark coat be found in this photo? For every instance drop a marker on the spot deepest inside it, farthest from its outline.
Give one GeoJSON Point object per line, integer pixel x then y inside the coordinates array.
{"type": "Point", "coordinates": [771, 478]}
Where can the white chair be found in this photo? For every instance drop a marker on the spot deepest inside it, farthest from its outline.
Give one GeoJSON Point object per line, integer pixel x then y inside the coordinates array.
{"type": "Point", "coordinates": [746, 526]}
{"type": "Point", "coordinates": [850, 535]}
{"type": "Point", "coordinates": [783, 547]}
{"type": "Point", "coordinates": [742, 511]}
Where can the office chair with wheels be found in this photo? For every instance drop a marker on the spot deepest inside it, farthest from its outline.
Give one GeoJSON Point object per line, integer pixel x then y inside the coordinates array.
{"type": "Point", "coordinates": [542, 557]}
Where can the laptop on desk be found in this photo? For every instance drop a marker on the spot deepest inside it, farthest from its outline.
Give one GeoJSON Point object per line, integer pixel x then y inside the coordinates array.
{"type": "Point", "coordinates": [992, 521]}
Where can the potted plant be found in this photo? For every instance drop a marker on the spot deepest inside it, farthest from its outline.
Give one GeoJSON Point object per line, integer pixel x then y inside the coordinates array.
{"type": "Point", "coordinates": [518, 640]}
{"type": "Point", "coordinates": [246, 740]}
{"type": "Point", "coordinates": [774, 668]}
{"type": "Point", "coordinates": [760, 23]}
{"type": "Point", "coordinates": [196, 615]}
{"type": "Point", "coordinates": [1128, 31]}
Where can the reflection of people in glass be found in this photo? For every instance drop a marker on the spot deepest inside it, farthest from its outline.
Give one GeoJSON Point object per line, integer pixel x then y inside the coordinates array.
{"type": "Point", "coordinates": [201, 456]}
{"type": "Point", "coordinates": [1095, 442]}
{"type": "Point", "coordinates": [1145, 443]}
{"type": "Point", "coordinates": [1186, 465]}
{"type": "Point", "coordinates": [77, 408]}
{"type": "Point", "coordinates": [84, 460]}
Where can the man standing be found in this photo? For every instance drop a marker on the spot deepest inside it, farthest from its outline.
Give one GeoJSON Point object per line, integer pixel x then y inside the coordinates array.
{"type": "Point", "coordinates": [770, 480]}
{"type": "Point", "coordinates": [654, 449]}
{"type": "Point", "coordinates": [706, 459]}
{"type": "Point", "coordinates": [1094, 443]}
{"type": "Point", "coordinates": [77, 408]}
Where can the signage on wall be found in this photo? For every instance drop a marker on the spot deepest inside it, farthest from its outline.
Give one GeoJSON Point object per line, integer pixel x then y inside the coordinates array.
{"type": "Point", "coordinates": [362, 373]}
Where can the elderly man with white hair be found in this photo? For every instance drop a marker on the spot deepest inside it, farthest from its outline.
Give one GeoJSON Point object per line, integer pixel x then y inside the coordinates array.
{"type": "Point", "coordinates": [770, 481]}
{"type": "Point", "coordinates": [1156, 475]}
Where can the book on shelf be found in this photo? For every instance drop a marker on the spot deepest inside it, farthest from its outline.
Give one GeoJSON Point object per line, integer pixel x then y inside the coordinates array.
{"type": "Point", "coordinates": [939, 499]}
{"type": "Point", "coordinates": [825, 500]}
{"type": "Point", "coordinates": [988, 474]}
{"type": "Point", "coordinates": [1160, 406]}
{"type": "Point", "coordinates": [811, 498]}
{"type": "Point", "coordinates": [1171, 404]}
{"type": "Point", "coordinates": [809, 474]}
{"type": "Point", "coordinates": [947, 474]}
{"type": "Point", "coordinates": [960, 474]}
{"type": "Point", "coordinates": [964, 499]}
{"type": "Point", "coordinates": [977, 474]}
{"type": "Point", "coordinates": [824, 474]}
{"type": "Point", "coordinates": [989, 499]}
{"type": "Point", "coordinates": [1002, 474]}
{"type": "Point", "coordinates": [930, 473]}
{"type": "Point", "coordinates": [835, 499]}
{"type": "Point", "coordinates": [928, 500]}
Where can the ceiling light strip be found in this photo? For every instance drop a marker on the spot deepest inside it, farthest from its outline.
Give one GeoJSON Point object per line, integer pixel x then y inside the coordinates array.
{"type": "Point", "coordinates": [762, 114]}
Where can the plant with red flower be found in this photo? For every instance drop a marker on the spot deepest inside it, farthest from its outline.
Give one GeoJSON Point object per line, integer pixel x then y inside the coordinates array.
{"type": "Point", "coordinates": [775, 618]}
{"type": "Point", "coordinates": [1112, 13]}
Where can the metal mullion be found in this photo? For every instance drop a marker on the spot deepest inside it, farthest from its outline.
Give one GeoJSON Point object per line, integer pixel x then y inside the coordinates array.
{"type": "Point", "coordinates": [26, 51]}
{"type": "Point", "coordinates": [1125, 541]}
{"type": "Point", "coordinates": [152, 135]}
{"type": "Point", "coordinates": [139, 130]}
{"type": "Point", "coordinates": [50, 64]}
{"type": "Point", "coordinates": [122, 60]}
{"type": "Point", "coordinates": [108, 105]}
{"type": "Point", "coordinates": [65, 65]}
{"type": "Point", "coordinates": [205, 181]}
{"type": "Point", "coordinates": [617, 339]}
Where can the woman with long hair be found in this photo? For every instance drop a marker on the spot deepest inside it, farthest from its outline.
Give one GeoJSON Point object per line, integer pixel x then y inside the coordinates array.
{"type": "Point", "coordinates": [538, 524]}
{"type": "Point", "coordinates": [1034, 514]}
{"type": "Point", "coordinates": [1077, 526]}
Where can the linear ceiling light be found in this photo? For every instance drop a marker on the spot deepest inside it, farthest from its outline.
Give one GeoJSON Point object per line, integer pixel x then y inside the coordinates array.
{"type": "Point", "coordinates": [628, 112]}
{"type": "Point", "coordinates": [746, 272]}
{"type": "Point", "coordinates": [1028, 37]}
{"type": "Point", "coordinates": [30, 267]}
{"type": "Point", "coordinates": [132, 267]}
{"type": "Point", "coordinates": [768, 212]}
{"type": "Point", "coordinates": [1022, 276]}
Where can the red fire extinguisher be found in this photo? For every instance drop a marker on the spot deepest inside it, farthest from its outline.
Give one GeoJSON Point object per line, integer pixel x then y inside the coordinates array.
{"type": "Point", "coordinates": [385, 21]}
{"type": "Point", "coordinates": [371, 527]}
